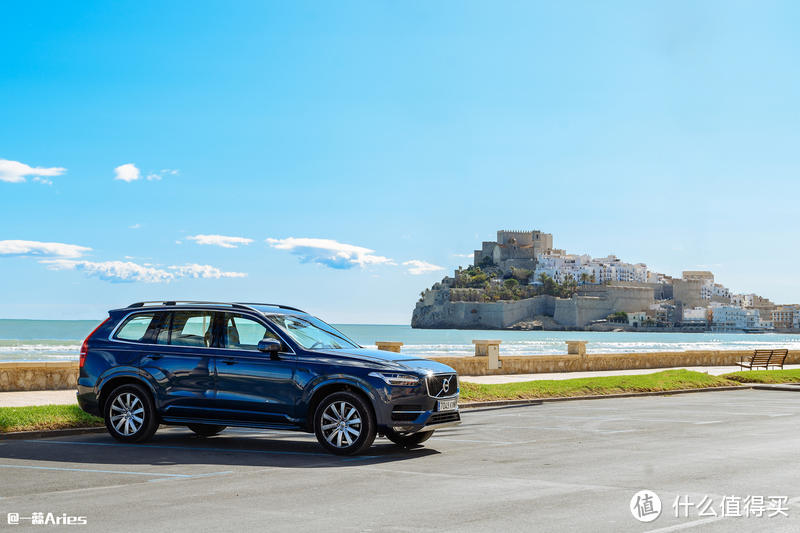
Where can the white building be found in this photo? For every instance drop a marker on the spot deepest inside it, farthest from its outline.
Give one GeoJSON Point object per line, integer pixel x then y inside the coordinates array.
{"type": "Point", "coordinates": [710, 290]}
{"type": "Point", "coordinates": [585, 269]}
{"type": "Point", "coordinates": [637, 319]}
{"type": "Point", "coordinates": [696, 315]}
{"type": "Point", "coordinates": [727, 318]}
{"type": "Point", "coordinates": [742, 300]}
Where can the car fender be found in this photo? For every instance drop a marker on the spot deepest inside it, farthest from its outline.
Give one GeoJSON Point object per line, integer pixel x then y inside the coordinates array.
{"type": "Point", "coordinates": [126, 372]}
{"type": "Point", "coordinates": [341, 379]}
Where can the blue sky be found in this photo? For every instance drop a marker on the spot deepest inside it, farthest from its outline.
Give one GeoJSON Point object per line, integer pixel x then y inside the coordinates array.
{"type": "Point", "coordinates": [375, 141]}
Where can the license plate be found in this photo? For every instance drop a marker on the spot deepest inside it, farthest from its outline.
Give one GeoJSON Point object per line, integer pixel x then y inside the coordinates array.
{"type": "Point", "coordinates": [448, 405]}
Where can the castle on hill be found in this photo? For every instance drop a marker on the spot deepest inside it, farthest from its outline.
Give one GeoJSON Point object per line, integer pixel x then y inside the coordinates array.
{"type": "Point", "coordinates": [522, 278]}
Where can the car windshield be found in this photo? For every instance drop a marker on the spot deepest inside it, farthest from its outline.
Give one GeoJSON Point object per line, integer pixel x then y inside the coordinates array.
{"type": "Point", "coordinates": [311, 333]}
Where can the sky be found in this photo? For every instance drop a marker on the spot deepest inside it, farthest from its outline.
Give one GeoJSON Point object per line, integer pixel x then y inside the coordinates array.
{"type": "Point", "coordinates": [342, 157]}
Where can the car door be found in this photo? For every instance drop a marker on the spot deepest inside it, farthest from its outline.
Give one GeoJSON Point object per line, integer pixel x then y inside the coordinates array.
{"type": "Point", "coordinates": [181, 363]}
{"type": "Point", "coordinates": [250, 385]}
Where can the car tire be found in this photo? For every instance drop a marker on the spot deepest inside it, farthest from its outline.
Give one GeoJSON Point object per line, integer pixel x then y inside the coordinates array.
{"type": "Point", "coordinates": [406, 440]}
{"type": "Point", "coordinates": [129, 413]}
{"type": "Point", "coordinates": [344, 423]}
{"type": "Point", "coordinates": [206, 430]}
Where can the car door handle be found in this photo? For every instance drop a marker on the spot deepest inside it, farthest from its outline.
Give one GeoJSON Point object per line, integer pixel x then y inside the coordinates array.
{"type": "Point", "coordinates": [229, 361]}
{"type": "Point", "coordinates": [154, 357]}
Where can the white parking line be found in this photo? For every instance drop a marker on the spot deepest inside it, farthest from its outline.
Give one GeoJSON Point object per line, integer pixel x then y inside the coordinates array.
{"type": "Point", "coordinates": [687, 525]}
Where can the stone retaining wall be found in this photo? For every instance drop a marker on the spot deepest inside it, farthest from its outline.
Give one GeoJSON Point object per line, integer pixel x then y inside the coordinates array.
{"type": "Point", "coordinates": [64, 375]}
{"type": "Point", "coordinates": [534, 364]}
{"type": "Point", "coordinates": [38, 376]}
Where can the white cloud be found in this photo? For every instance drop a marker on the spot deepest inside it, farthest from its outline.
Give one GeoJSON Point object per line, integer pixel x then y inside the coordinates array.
{"type": "Point", "coordinates": [16, 172]}
{"type": "Point", "coordinates": [127, 173]}
{"type": "Point", "coordinates": [43, 181]}
{"type": "Point", "coordinates": [219, 240]}
{"type": "Point", "coordinates": [128, 271]}
{"type": "Point", "coordinates": [135, 226]}
{"type": "Point", "coordinates": [114, 271]}
{"type": "Point", "coordinates": [204, 271]}
{"type": "Point", "coordinates": [51, 249]}
{"type": "Point", "coordinates": [158, 176]}
{"type": "Point", "coordinates": [330, 253]}
{"type": "Point", "coordinates": [417, 267]}
{"type": "Point", "coordinates": [465, 256]}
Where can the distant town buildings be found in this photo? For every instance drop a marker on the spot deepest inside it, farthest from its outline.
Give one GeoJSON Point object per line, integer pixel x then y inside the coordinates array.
{"type": "Point", "coordinates": [786, 316]}
{"type": "Point", "coordinates": [591, 291]}
{"type": "Point", "coordinates": [696, 316]}
{"type": "Point", "coordinates": [729, 318]}
{"type": "Point", "coordinates": [584, 269]}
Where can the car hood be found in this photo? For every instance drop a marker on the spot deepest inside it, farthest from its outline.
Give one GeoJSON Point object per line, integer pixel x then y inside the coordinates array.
{"type": "Point", "coordinates": [396, 360]}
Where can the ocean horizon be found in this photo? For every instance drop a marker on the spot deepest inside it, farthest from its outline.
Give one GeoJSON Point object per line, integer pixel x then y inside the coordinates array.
{"type": "Point", "coordinates": [60, 340]}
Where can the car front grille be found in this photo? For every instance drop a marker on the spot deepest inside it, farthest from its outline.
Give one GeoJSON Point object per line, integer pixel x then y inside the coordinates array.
{"type": "Point", "coordinates": [441, 418]}
{"type": "Point", "coordinates": [441, 385]}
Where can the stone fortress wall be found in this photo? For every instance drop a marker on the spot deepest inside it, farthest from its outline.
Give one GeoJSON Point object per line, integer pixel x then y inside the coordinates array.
{"type": "Point", "coordinates": [446, 307]}
{"type": "Point", "coordinates": [436, 311]}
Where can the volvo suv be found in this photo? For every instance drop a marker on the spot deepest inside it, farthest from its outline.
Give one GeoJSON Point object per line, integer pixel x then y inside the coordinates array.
{"type": "Point", "coordinates": [209, 365]}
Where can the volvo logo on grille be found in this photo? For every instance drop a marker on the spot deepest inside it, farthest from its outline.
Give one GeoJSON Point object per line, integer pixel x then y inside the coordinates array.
{"type": "Point", "coordinates": [446, 385]}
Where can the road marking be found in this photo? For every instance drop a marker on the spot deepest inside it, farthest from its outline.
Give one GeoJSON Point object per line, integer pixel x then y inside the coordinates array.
{"type": "Point", "coordinates": [479, 441]}
{"type": "Point", "coordinates": [687, 525]}
{"type": "Point", "coordinates": [125, 472]}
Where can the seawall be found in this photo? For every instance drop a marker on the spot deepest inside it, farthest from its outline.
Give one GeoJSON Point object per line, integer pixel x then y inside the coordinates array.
{"type": "Point", "coordinates": [64, 375]}
{"type": "Point", "coordinates": [534, 364]}
{"type": "Point", "coordinates": [38, 376]}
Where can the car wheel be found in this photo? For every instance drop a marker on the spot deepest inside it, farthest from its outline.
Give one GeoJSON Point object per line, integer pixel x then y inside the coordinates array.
{"type": "Point", "coordinates": [206, 430]}
{"type": "Point", "coordinates": [129, 414]}
{"type": "Point", "coordinates": [407, 440]}
{"type": "Point", "coordinates": [344, 423]}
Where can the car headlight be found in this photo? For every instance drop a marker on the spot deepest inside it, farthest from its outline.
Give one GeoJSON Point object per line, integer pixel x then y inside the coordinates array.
{"type": "Point", "coordinates": [397, 380]}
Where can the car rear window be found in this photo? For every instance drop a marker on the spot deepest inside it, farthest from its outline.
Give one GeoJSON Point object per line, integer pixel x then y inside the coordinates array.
{"type": "Point", "coordinates": [135, 327]}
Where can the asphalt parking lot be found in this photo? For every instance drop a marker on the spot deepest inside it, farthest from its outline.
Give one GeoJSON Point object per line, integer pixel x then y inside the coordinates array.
{"type": "Point", "coordinates": [551, 467]}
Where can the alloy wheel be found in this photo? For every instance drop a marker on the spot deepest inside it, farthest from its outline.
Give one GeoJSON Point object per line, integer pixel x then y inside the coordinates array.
{"type": "Point", "coordinates": [127, 414]}
{"type": "Point", "coordinates": [341, 424]}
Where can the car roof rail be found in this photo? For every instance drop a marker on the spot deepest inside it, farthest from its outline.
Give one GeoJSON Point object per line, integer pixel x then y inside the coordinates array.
{"type": "Point", "coordinates": [170, 303]}
{"type": "Point", "coordinates": [279, 306]}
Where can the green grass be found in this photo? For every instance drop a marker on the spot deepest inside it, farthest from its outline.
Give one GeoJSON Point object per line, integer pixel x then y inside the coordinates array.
{"type": "Point", "coordinates": [44, 417]}
{"type": "Point", "coordinates": [765, 376]}
{"type": "Point", "coordinates": [660, 381]}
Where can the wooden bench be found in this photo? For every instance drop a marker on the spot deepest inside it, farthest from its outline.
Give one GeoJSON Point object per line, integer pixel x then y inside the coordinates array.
{"type": "Point", "coordinates": [764, 359]}
{"type": "Point", "coordinates": [778, 357]}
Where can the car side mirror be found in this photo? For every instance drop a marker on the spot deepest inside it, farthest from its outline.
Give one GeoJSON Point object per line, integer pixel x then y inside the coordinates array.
{"type": "Point", "coordinates": [270, 346]}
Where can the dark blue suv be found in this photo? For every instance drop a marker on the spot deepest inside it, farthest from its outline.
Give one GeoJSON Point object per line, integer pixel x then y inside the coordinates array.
{"type": "Point", "coordinates": [210, 365]}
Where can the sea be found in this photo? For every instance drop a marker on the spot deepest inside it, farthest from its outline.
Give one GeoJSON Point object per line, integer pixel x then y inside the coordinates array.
{"type": "Point", "coordinates": [60, 340]}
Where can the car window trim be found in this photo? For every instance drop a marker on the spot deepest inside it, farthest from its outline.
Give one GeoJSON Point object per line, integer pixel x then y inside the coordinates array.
{"type": "Point", "coordinates": [260, 319]}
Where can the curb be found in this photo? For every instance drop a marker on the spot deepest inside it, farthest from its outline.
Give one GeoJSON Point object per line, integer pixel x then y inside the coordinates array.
{"type": "Point", "coordinates": [794, 387]}
{"type": "Point", "coordinates": [46, 433]}
{"type": "Point", "coordinates": [539, 401]}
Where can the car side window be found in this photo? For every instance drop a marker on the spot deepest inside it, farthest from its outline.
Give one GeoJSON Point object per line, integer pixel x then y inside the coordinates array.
{"type": "Point", "coordinates": [190, 328]}
{"type": "Point", "coordinates": [242, 333]}
{"type": "Point", "coordinates": [135, 327]}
